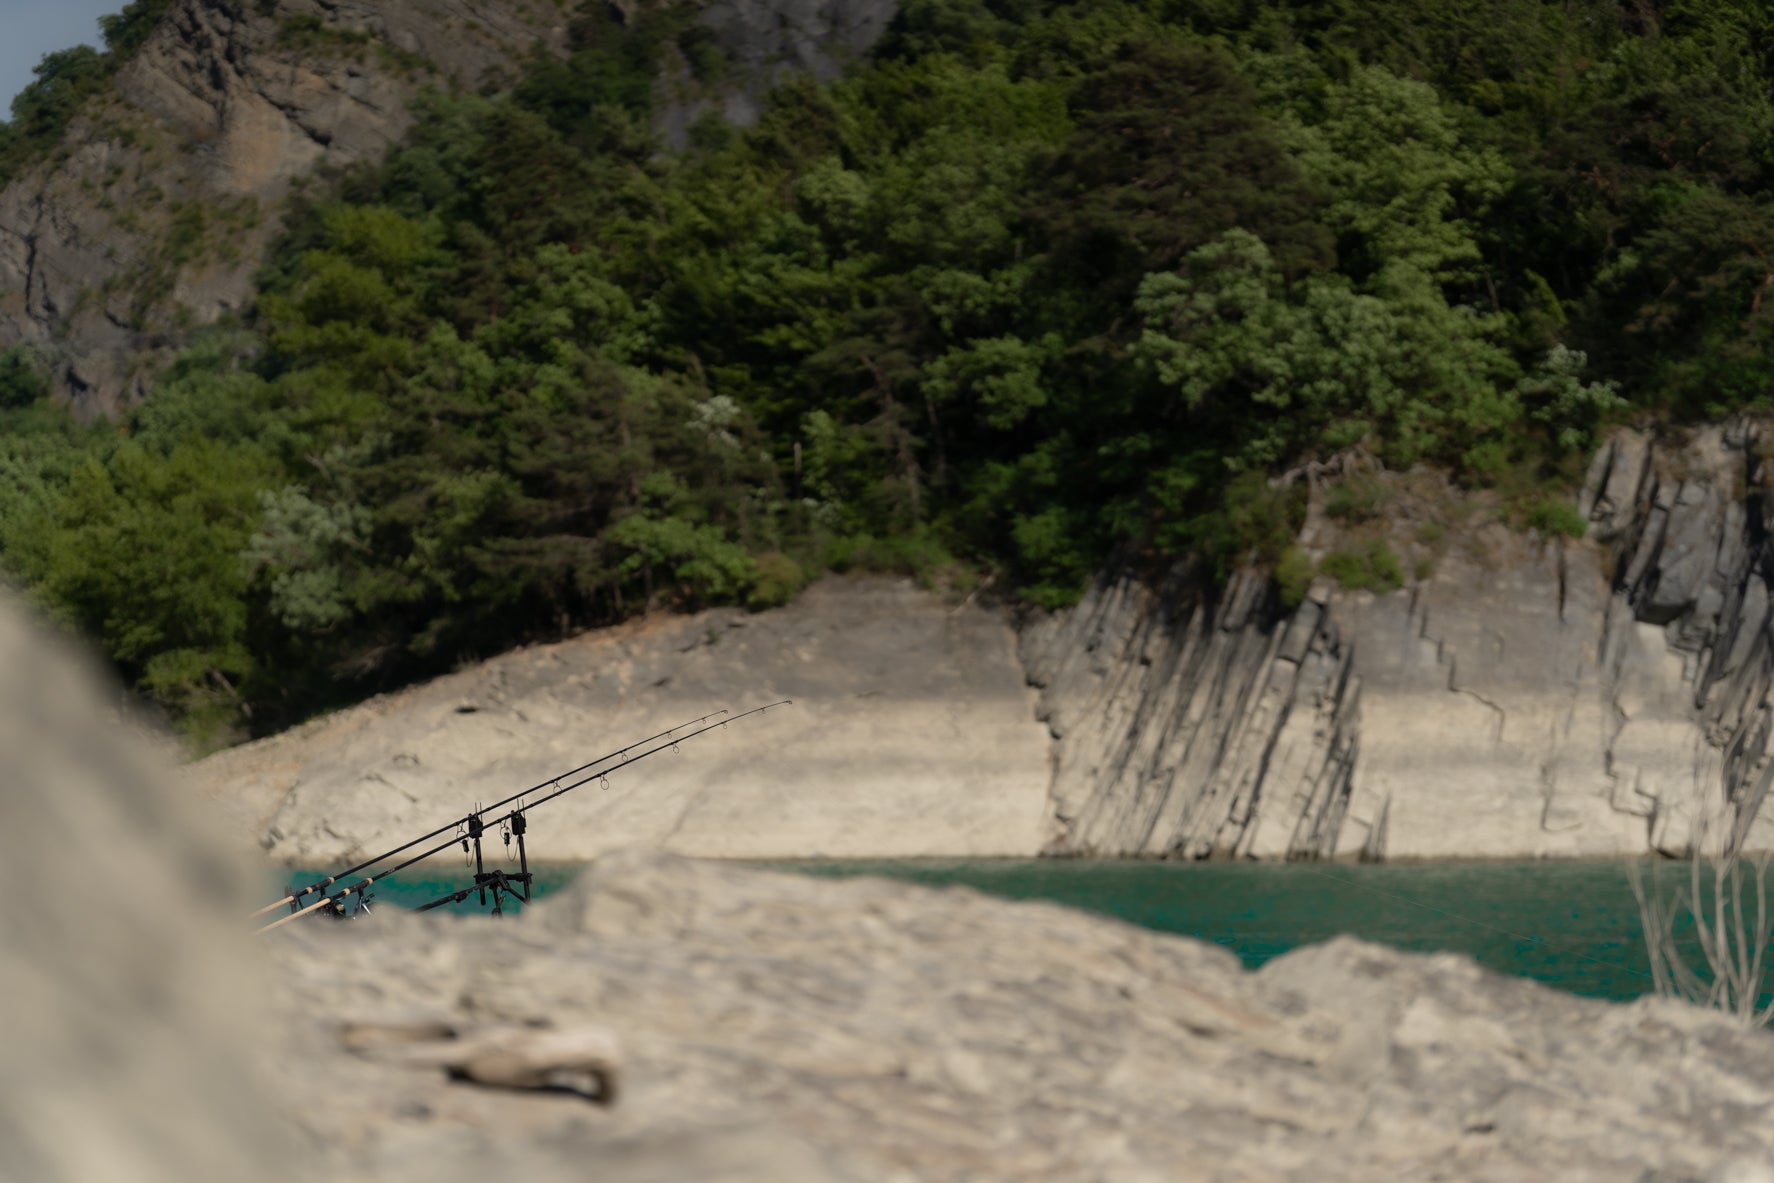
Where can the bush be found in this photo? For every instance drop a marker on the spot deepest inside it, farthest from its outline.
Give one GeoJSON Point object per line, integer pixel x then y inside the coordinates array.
{"type": "Point", "coordinates": [1357, 500]}
{"type": "Point", "coordinates": [1373, 568]}
{"type": "Point", "coordinates": [21, 379]}
{"type": "Point", "coordinates": [1257, 520]}
{"type": "Point", "coordinates": [917, 554]}
{"type": "Point", "coordinates": [1716, 955]}
{"type": "Point", "coordinates": [1551, 516]}
{"type": "Point", "coordinates": [1293, 576]}
{"type": "Point", "coordinates": [779, 578]}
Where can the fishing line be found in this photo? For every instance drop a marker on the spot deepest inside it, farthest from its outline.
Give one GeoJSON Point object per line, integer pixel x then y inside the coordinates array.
{"type": "Point", "coordinates": [360, 888]}
{"type": "Point", "coordinates": [323, 884]}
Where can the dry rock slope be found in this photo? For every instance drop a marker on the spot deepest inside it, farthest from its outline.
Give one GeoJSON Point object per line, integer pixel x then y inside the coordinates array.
{"type": "Point", "coordinates": [911, 732]}
{"type": "Point", "coordinates": [1532, 698]}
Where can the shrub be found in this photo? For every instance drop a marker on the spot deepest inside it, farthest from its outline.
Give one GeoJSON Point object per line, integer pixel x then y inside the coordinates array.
{"type": "Point", "coordinates": [1728, 919]}
{"type": "Point", "coordinates": [779, 578]}
{"type": "Point", "coordinates": [1551, 515]}
{"type": "Point", "coordinates": [21, 378]}
{"type": "Point", "coordinates": [1358, 500]}
{"type": "Point", "coordinates": [1293, 576]}
{"type": "Point", "coordinates": [1373, 568]}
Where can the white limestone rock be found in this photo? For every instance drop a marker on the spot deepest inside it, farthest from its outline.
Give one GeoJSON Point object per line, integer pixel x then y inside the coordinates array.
{"type": "Point", "coordinates": [1531, 699]}
{"type": "Point", "coordinates": [911, 732]}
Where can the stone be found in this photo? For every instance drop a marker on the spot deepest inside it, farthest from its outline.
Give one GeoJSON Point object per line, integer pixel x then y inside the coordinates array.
{"type": "Point", "coordinates": [581, 1059]}
{"type": "Point", "coordinates": [138, 1025]}
{"type": "Point", "coordinates": [883, 1031]}
{"type": "Point", "coordinates": [1519, 703]}
{"type": "Point", "coordinates": [911, 732]}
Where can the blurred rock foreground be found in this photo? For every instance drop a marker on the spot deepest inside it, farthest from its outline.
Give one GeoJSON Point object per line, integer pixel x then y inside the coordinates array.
{"type": "Point", "coordinates": [764, 1026]}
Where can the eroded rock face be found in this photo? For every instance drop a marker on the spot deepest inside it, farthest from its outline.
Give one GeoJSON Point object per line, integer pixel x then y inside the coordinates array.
{"type": "Point", "coordinates": [1533, 698]}
{"type": "Point", "coordinates": [911, 733]}
{"type": "Point", "coordinates": [159, 211]}
{"type": "Point", "coordinates": [764, 42]}
{"type": "Point", "coordinates": [868, 1030]}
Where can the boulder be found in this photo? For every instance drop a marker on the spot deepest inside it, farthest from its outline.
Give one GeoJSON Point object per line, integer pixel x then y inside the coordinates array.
{"type": "Point", "coordinates": [874, 1030]}
{"type": "Point", "coordinates": [139, 1020]}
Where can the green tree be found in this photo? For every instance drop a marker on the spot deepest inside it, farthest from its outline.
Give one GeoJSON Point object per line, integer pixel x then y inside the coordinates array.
{"type": "Point", "coordinates": [141, 552]}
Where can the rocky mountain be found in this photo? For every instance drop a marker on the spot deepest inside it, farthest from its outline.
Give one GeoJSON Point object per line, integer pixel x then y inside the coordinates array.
{"type": "Point", "coordinates": [156, 211]}
{"type": "Point", "coordinates": [1526, 696]}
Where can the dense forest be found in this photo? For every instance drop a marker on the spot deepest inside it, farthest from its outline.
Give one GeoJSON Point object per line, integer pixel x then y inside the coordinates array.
{"type": "Point", "coordinates": [1036, 287]}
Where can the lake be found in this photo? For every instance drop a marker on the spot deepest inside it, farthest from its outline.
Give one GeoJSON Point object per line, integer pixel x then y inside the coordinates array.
{"type": "Point", "coordinates": [1574, 925]}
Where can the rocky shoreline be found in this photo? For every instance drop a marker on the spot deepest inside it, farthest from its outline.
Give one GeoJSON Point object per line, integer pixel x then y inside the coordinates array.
{"type": "Point", "coordinates": [664, 1019]}
{"type": "Point", "coordinates": [1530, 698]}
{"type": "Point", "coordinates": [789, 1028]}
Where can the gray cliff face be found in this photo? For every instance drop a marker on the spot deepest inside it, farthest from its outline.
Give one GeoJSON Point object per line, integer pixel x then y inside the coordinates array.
{"type": "Point", "coordinates": [1532, 698]}
{"type": "Point", "coordinates": [764, 42]}
{"type": "Point", "coordinates": [155, 217]}
{"type": "Point", "coordinates": [1173, 730]}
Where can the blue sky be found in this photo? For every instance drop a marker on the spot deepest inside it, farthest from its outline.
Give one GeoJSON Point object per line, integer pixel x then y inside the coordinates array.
{"type": "Point", "coordinates": [31, 28]}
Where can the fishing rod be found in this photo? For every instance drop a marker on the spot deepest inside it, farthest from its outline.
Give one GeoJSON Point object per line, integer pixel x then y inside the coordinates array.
{"type": "Point", "coordinates": [360, 888]}
{"type": "Point", "coordinates": [323, 884]}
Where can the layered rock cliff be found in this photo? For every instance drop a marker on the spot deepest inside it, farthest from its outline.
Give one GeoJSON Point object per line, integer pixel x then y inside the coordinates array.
{"type": "Point", "coordinates": [1532, 697]}
{"type": "Point", "coordinates": [1541, 697]}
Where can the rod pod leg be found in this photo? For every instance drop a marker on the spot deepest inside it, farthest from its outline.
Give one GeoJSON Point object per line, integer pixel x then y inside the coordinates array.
{"type": "Point", "coordinates": [476, 827]}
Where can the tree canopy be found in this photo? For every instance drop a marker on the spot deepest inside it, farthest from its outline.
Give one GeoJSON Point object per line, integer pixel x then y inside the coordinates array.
{"type": "Point", "coordinates": [1034, 284]}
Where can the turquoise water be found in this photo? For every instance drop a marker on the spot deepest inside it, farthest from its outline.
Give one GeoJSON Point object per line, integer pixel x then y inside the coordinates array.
{"type": "Point", "coordinates": [1571, 925]}
{"type": "Point", "coordinates": [421, 885]}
